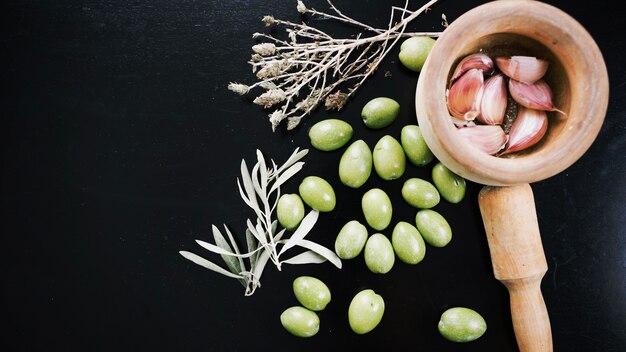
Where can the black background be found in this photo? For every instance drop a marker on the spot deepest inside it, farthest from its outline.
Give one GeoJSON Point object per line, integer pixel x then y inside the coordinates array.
{"type": "Point", "coordinates": [121, 146]}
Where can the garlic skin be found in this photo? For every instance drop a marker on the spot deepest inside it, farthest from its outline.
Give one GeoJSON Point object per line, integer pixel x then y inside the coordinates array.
{"type": "Point", "coordinates": [526, 69]}
{"type": "Point", "coordinates": [465, 95]}
{"type": "Point", "coordinates": [494, 100]}
{"type": "Point", "coordinates": [529, 127]}
{"type": "Point", "coordinates": [489, 139]}
{"type": "Point", "coordinates": [479, 61]}
{"type": "Point", "coordinates": [462, 123]}
{"type": "Point", "coordinates": [533, 96]}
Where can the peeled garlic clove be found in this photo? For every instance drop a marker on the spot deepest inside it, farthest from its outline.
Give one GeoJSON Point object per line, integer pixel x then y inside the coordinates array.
{"type": "Point", "coordinates": [534, 96]}
{"type": "Point", "coordinates": [489, 139]}
{"type": "Point", "coordinates": [465, 94]}
{"type": "Point", "coordinates": [493, 102]}
{"type": "Point", "coordinates": [478, 61]}
{"type": "Point", "coordinates": [529, 127]}
{"type": "Point", "coordinates": [526, 69]}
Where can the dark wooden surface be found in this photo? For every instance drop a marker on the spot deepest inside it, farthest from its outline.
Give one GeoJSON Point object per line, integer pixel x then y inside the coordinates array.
{"type": "Point", "coordinates": [121, 146]}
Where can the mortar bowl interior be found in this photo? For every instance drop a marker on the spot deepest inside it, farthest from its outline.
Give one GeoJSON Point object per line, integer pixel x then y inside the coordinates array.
{"type": "Point", "coordinates": [577, 75]}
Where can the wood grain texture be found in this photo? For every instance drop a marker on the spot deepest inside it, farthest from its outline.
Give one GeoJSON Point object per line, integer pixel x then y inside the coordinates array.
{"type": "Point", "coordinates": [518, 260]}
{"type": "Point", "coordinates": [579, 80]}
{"type": "Point", "coordinates": [577, 76]}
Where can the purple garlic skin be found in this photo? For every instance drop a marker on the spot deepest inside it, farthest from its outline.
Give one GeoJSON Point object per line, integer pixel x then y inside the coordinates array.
{"type": "Point", "coordinates": [479, 61]}
{"type": "Point", "coordinates": [526, 69]}
{"type": "Point", "coordinates": [489, 139]}
{"type": "Point", "coordinates": [536, 96]}
{"type": "Point", "coordinates": [528, 128]}
{"type": "Point", "coordinates": [494, 100]}
{"type": "Point", "coordinates": [465, 95]}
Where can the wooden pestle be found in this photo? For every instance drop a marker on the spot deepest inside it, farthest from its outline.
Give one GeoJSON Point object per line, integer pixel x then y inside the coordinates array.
{"type": "Point", "coordinates": [518, 260]}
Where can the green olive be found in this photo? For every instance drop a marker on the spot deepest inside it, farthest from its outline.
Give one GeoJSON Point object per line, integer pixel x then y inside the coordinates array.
{"type": "Point", "coordinates": [379, 255]}
{"type": "Point", "coordinates": [408, 243]}
{"type": "Point", "coordinates": [377, 208]}
{"type": "Point", "coordinates": [330, 134]}
{"type": "Point", "coordinates": [300, 321]}
{"type": "Point", "coordinates": [420, 193]}
{"type": "Point", "coordinates": [350, 240]}
{"type": "Point", "coordinates": [355, 165]}
{"type": "Point", "coordinates": [380, 112]}
{"type": "Point", "coordinates": [414, 51]}
{"type": "Point", "coordinates": [415, 146]}
{"type": "Point", "coordinates": [317, 193]}
{"type": "Point", "coordinates": [450, 185]}
{"type": "Point", "coordinates": [311, 292]}
{"type": "Point", "coordinates": [290, 211]}
{"type": "Point", "coordinates": [433, 227]}
{"type": "Point", "coordinates": [461, 324]}
{"type": "Point", "coordinates": [389, 158]}
{"type": "Point", "coordinates": [365, 311]}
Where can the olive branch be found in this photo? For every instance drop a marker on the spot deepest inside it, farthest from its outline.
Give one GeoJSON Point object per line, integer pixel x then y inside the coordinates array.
{"type": "Point", "coordinates": [260, 190]}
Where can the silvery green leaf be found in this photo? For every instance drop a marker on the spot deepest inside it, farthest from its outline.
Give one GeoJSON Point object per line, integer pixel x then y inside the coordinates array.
{"type": "Point", "coordinates": [274, 226]}
{"type": "Point", "coordinates": [262, 169]}
{"type": "Point", "coordinates": [261, 231]}
{"type": "Point", "coordinates": [255, 180]}
{"type": "Point", "coordinates": [275, 203]}
{"type": "Point", "coordinates": [236, 248]}
{"type": "Point", "coordinates": [303, 229]}
{"type": "Point", "coordinates": [252, 246]}
{"type": "Point", "coordinates": [321, 250]}
{"type": "Point", "coordinates": [279, 235]}
{"type": "Point", "coordinates": [308, 257]}
{"type": "Point", "coordinates": [218, 250]}
{"type": "Point", "coordinates": [286, 175]}
{"type": "Point", "coordinates": [260, 266]}
{"type": "Point", "coordinates": [254, 206]}
{"type": "Point", "coordinates": [295, 156]}
{"type": "Point", "coordinates": [209, 265]}
{"type": "Point", "coordinates": [247, 183]}
{"type": "Point", "coordinates": [243, 194]}
{"type": "Point", "coordinates": [231, 262]}
{"type": "Point", "coordinates": [259, 236]}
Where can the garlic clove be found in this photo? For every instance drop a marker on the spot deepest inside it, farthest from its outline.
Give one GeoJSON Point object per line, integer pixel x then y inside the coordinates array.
{"type": "Point", "coordinates": [479, 61]}
{"type": "Point", "coordinates": [489, 139]}
{"type": "Point", "coordinates": [534, 96]}
{"type": "Point", "coordinates": [494, 100]}
{"type": "Point", "coordinates": [465, 94]}
{"type": "Point", "coordinates": [526, 69]}
{"type": "Point", "coordinates": [529, 127]}
{"type": "Point", "coordinates": [461, 122]}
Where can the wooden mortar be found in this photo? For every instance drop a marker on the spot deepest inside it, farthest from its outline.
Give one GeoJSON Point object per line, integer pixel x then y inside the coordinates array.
{"type": "Point", "coordinates": [579, 80]}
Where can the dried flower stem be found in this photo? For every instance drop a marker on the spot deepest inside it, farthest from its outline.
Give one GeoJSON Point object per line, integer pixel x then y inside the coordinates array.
{"type": "Point", "coordinates": [314, 62]}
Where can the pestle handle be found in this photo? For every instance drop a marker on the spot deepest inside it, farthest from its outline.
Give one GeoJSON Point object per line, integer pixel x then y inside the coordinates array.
{"type": "Point", "coordinates": [518, 260]}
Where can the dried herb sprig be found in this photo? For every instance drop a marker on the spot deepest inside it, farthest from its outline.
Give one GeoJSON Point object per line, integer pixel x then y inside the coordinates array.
{"type": "Point", "coordinates": [260, 190]}
{"type": "Point", "coordinates": [314, 62]}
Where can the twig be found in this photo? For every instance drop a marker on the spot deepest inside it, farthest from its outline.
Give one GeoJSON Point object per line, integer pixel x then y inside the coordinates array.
{"type": "Point", "coordinates": [314, 65]}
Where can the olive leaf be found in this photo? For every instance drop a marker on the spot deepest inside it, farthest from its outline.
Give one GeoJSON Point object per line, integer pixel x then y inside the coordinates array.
{"type": "Point", "coordinates": [208, 264]}
{"type": "Point", "coordinates": [231, 238]}
{"type": "Point", "coordinates": [259, 188]}
{"type": "Point", "coordinates": [308, 257]}
{"type": "Point", "coordinates": [231, 261]}
{"type": "Point", "coordinates": [223, 252]}
{"type": "Point", "coordinates": [321, 250]}
{"type": "Point", "coordinates": [286, 175]}
{"type": "Point", "coordinates": [303, 229]}
{"type": "Point", "coordinates": [252, 246]}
